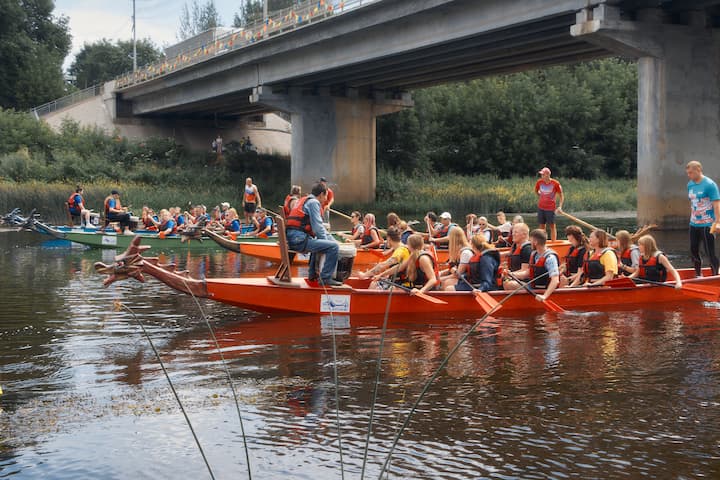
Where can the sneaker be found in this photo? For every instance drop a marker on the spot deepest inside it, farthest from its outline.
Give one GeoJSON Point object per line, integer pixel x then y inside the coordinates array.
{"type": "Point", "coordinates": [331, 282]}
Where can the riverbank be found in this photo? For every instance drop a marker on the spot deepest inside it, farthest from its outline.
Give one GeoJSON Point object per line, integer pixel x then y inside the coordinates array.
{"type": "Point", "coordinates": [482, 194]}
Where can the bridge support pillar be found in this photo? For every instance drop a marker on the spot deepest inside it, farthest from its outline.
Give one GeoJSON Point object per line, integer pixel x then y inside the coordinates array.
{"type": "Point", "coordinates": [333, 137]}
{"type": "Point", "coordinates": [678, 103]}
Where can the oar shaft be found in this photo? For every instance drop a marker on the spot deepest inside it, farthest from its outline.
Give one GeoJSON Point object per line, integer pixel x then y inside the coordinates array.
{"type": "Point", "coordinates": [585, 224]}
{"type": "Point", "coordinates": [347, 217]}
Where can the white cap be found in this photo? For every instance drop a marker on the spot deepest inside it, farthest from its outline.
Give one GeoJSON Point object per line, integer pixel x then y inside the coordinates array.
{"type": "Point", "coordinates": [446, 215]}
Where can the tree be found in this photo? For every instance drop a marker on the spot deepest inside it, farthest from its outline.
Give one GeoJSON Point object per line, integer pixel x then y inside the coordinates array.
{"type": "Point", "coordinates": [196, 19]}
{"type": "Point", "coordinates": [251, 11]}
{"type": "Point", "coordinates": [33, 44]}
{"type": "Point", "coordinates": [101, 61]}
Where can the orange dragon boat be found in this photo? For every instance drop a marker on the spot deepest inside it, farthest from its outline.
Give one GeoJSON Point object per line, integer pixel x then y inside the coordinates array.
{"type": "Point", "coordinates": [283, 294]}
{"type": "Point", "coordinates": [270, 251]}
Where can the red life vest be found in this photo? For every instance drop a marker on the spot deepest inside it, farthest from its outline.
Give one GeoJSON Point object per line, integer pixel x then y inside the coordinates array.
{"type": "Point", "coordinates": [72, 204]}
{"type": "Point", "coordinates": [592, 268]}
{"type": "Point", "coordinates": [298, 219]}
{"type": "Point", "coordinates": [651, 269]}
{"type": "Point", "coordinates": [420, 278]}
{"type": "Point", "coordinates": [286, 204]}
{"type": "Point", "coordinates": [574, 259]}
{"type": "Point", "coordinates": [474, 268]}
{"type": "Point", "coordinates": [163, 227]}
{"type": "Point", "coordinates": [626, 257]}
{"type": "Point", "coordinates": [367, 237]}
{"type": "Point", "coordinates": [537, 268]}
{"type": "Point", "coordinates": [519, 254]}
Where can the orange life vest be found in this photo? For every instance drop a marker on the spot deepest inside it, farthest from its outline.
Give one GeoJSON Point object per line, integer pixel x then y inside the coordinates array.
{"type": "Point", "coordinates": [298, 219]}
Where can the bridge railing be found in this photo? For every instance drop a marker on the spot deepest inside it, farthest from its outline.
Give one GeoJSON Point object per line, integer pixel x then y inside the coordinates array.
{"type": "Point", "coordinates": [67, 100]}
{"type": "Point", "coordinates": [281, 21]}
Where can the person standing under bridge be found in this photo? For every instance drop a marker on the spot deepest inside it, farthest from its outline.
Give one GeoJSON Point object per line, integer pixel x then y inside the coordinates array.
{"type": "Point", "coordinates": [704, 216]}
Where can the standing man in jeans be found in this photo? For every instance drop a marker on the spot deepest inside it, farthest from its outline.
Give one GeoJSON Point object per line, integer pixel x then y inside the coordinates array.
{"type": "Point", "coordinates": [306, 233]}
{"type": "Point", "coordinates": [704, 215]}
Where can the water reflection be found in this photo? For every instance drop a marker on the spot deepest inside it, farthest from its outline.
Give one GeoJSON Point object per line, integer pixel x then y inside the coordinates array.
{"type": "Point", "coordinates": [631, 393]}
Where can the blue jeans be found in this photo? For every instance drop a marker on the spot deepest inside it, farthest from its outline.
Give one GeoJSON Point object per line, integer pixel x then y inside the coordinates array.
{"type": "Point", "coordinates": [302, 242]}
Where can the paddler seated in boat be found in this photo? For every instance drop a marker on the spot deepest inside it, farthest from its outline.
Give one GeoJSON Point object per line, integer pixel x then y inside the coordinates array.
{"type": "Point", "coordinates": [356, 231]}
{"type": "Point", "coordinates": [405, 231]}
{"type": "Point", "coordinates": [393, 220]}
{"type": "Point", "coordinates": [306, 233]}
{"type": "Point", "coordinates": [216, 220]}
{"type": "Point", "coordinates": [178, 217]}
{"type": "Point", "coordinates": [291, 199]}
{"type": "Point", "coordinates": [471, 225]}
{"type": "Point", "coordinates": [503, 230]}
{"type": "Point", "coordinates": [232, 223]}
{"type": "Point", "coordinates": [148, 219]}
{"type": "Point", "coordinates": [371, 236]}
{"type": "Point", "coordinates": [115, 212]}
{"type": "Point", "coordinates": [484, 229]}
{"type": "Point", "coordinates": [166, 225]}
{"type": "Point", "coordinates": [76, 208]}
{"type": "Point", "coordinates": [224, 207]}
{"type": "Point", "coordinates": [400, 253]}
{"type": "Point", "coordinates": [575, 257]}
{"type": "Point", "coordinates": [459, 253]}
{"type": "Point", "coordinates": [482, 269]}
{"type": "Point", "coordinates": [600, 263]}
{"type": "Point", "coordinates": [543, 271]}
{"type": "Point", "coordinates": [653, 264]}
{"type": "Point", "coordinates": [264, 226]}
{"type": "Point", "coordinates": [519, 254]}
{"type": "Point", "coordinates": [439, 235]}
{"type": "Point", "coordinates": [420, 270]}
{"type": "Point", "coordinates": [628, 253]}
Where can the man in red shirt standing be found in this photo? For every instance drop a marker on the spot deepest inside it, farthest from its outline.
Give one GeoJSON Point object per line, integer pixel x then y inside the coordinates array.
{"type": "Point", "coordinates": [327, 204]}
{"type": "Point", "coordinates": [548, 191]}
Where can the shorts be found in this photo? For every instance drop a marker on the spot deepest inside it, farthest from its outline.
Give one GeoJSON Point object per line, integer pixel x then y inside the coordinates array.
{"type": "Point", "coordinates": [546, 217]}
{"type": "Point", "coordinates": [249, 207]}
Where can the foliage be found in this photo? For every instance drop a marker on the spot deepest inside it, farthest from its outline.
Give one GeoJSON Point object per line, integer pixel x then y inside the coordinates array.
{"type": "Point", "coordinates": [33, 45]}
{"type": "Point", "coordinates": [195, 19]}
{"type": "Point", "coordinates": [580, 120]}
{"type": "Point", "coordinates": [251, 11]}
{"type": "Point", "coordinates": [103, 60]}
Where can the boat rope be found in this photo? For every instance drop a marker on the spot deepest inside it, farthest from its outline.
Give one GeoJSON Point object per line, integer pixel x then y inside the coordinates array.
{"type": "Point", "coordinates": [378, 371]}
{"type": "Point", "coordinates": [337, 399]}
{"type": "Point", "coordinates": [227, 373]}
{"type": "Point", "coordinates": [440, 367]}
{"type": "Point", "coordinates": [172, 387]}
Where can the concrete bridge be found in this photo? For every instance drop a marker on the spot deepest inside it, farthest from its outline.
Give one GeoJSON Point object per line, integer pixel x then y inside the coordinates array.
{"type": "Point", "coordinates": [336, 76]}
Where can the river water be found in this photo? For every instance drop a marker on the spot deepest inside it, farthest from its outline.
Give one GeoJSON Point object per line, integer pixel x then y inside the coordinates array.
{"type": "Point", "coordinates": [625, 394]}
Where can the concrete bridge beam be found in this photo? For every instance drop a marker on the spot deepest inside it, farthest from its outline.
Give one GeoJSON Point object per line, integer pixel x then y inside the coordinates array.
{"type": "Point", "coordinates": [678, 104]}
{"type": "Point", "coordinates": [333, 137]}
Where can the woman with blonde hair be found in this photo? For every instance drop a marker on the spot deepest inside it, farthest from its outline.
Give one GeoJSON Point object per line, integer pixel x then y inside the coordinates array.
{"type": "Point", "coordinates": [459, 253]}
{"type": "Point", "coordinates": [480, 270]}
{"type": "Point", "coordinates": [654, 264]}
{"type": "Point", "coordinates": [371, 235]}
{"type": "Point", "coordinates": [419, 268]}
{"type": "Point", "coordinates": [628, 253]}
{"type": "Point", "coordinates": [600, 262]}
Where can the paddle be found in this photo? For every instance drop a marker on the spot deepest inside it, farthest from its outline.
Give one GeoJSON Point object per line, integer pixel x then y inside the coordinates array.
{"type": "Point", "coordinates": [703, 292]}
{"type": "Point", "coordinates": [581, 222]}
{"type": "Point", "coordinates": [424, 296]}
{"type": "Point", "coordinates": [547, 303]}
{"type": "Point", "coordinates": [485, 300]}
{"type": "Point", "coordinates": [347, 217]}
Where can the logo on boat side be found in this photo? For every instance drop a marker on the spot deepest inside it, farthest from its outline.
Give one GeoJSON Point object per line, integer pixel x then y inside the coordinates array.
{"type": "Point", "coordinates": [109, 240]}
{"type": "Point", "coordinates": [335, 303]}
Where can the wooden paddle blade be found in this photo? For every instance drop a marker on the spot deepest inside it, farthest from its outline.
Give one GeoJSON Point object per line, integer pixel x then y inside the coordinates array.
{"type": "Point", "coordinates": [552, 306]}
{"type": "Point", "coordinates": [486, 301]}
{"type": "Point", "coordinates": [709, 294]}
{"type": "Point", "coordinates": [621, 282]}
{"type": "Point", "coordinates": [430, 299]}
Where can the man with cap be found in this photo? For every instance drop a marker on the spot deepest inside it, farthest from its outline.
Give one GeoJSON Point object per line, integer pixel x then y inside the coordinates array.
{"type": "Point", "coordinates": [115, 212]}
{"type": "Point", "coordinates": [327, 204]}
{"type": "Point", "coordinates": [262, 224]}
{"type": "Point", "coordinates": [550, 201]}
{"type": "Point", "coordinates": [439, 235]}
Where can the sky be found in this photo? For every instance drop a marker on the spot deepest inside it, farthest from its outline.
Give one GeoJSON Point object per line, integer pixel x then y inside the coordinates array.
{"type": "Point", "coordinates": [158, 20]}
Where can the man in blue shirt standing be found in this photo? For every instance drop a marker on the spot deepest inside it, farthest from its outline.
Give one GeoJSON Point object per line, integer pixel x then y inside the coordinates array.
{"type": "Point", "coordinates": [704, 215]}
{"type": "Point", "coordinates": [306, 233]}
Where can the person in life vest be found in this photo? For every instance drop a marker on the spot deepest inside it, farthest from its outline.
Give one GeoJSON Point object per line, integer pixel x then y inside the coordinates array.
{"type": "Point", "coordinates": [600, 263]}
{"type": "Point", "coordinates": [400, 253]}
{"type": "Point", "coordinates": [148, 219]}
{"type": "Point", "coordinates": [405, 231]}
{"type": "Point", "coordinates": [704, 216]}
{"type": "Point", "coordinates": [224, 207]}
{"type": "Point", "coordinates": [327, 204]}
{"type": "Point", "coordinates": [503, 230]}
{"type": "Point", "coordinates": [291, 199]}
{"type": "Point", "coordinates": [76, 207]}
{"type": "Point", "coordinates": [306, 233]}
{"type": "Point", "coordinates": [115, 212]}
{"type": "Point", "coordinates": [179, 218]}
{"type": "Point", "coordinates": [550, 201]}
{"type": "Point", "coordinates": [543, 271]}
{"type": "Point", "coordinates": [471, 225]}
{"type": "Point", "coordinates": [232, 223]}
{"type": "Point", "coordinates": [627, 252]}
{"type": "Point", "coordinates": [166, 225]}
{"type": "Point", "coordinates": [518, 257]}
{"type": "Point", "coordinates": [357, 230]}
{"type": "Point", "coordinates": [572, 273]}
{"type": "Point", "coordinates": [439, 234]}
{"type": "Point", "coordinates": [654, 265]}
{"type": "Point", "coordinates": [482, 269]}
{"type": "Point", "coordinates": [484, 229]}
{"type": "Point", "coordinates": [251, 199]}
{"type": "Point", "coordinates": [419, 268]}
{"type": "Point", "coordinates": [459, 253]}
{"type": "Point", "coordinates": [264, 226]}
{"type": "Point", "coordinates": [371, 235]}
